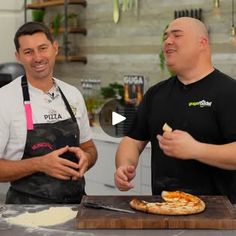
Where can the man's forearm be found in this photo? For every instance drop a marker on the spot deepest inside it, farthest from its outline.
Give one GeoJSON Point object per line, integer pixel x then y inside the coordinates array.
{"type": "Point", "coordinates": [222, 156]}
{"type": "Point", "coordinates": [90, 150]}
{"type": "Point", "coordinates": [14, 170]}
{"type": "Point", "coordinates": [128, 152]}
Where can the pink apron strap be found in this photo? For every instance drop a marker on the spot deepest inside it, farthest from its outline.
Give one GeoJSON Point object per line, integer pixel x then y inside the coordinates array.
{"type": "Point", "coordinates": [28, 113]}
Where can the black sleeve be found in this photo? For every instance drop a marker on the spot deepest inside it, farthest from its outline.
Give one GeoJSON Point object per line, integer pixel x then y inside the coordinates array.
{"type": "Point", "coordinates": [139, 129]}
{"type": "Point", "coordinates": [226, 113]}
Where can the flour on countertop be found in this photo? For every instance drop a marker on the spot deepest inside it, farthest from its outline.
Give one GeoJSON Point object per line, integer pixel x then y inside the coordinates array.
{"type": "Point", "coordinates": [49, 217]}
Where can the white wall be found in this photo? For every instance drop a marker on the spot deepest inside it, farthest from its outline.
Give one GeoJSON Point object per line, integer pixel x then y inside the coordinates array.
{"type": "Point", "coordinates": [11, 17]}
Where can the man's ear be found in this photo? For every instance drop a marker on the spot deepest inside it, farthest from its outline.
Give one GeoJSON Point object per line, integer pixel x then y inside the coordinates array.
{"type": "Point", "coordinates": [56, 46]}
{"type": "Point", "coordinates": [204, 41]}
{"type": "Point", "coordinates": [17, 56]}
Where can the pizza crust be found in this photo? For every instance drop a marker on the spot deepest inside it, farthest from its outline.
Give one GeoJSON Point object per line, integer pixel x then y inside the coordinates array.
{"type": "Point", "coordinates": [167, 128]}
{"type": "Point", "coordinates": [175, 203]}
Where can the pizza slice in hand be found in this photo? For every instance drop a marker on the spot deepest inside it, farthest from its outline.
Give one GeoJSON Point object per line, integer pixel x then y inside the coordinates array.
{"type": "Point", "coordinates": [167, 128]}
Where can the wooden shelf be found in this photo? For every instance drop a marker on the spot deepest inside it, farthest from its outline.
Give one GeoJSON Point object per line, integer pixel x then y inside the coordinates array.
{"type": "Point", "coordinates": [55, 3]}
{"type": "Point", "coordinates": [67, 30]}
{"type": "Point", "coordinates": [62, 58]}
{"type": "Point", "coordinates": [77, 30]}
{"type": "Point", "coordinates": [73, 30]}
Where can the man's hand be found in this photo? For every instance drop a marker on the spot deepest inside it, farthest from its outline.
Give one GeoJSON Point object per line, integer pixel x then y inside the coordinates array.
{"type": "Point", "coordinates": [178, 144]}
{"type": "Point", "coordinates": [83, 159]}
{"type": "Point", "coordinates": [123, 177]}
{"type": "Point", "coordinates": [52, 164]}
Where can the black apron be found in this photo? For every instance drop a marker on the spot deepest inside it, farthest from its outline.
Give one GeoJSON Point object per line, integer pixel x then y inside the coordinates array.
{"type": "Point", "coordinates": [42, 139]}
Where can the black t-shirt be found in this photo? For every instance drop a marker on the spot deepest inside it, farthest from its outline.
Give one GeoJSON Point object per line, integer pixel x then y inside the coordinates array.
{"type": "Point", "coordinates": [206, 109]}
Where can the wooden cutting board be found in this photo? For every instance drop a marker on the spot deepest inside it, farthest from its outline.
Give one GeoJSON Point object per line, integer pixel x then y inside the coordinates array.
{"type": "Point", "coordinates": [219, 214]}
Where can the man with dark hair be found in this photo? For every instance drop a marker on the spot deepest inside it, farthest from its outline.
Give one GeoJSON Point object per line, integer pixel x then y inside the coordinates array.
{"type": "Point", "coordinates": [31, 28]}
{"type": "Point", "coordinates": [46, 144]}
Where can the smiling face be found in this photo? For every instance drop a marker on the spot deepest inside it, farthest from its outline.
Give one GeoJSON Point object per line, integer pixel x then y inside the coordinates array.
{"type": "Point", "coordinates": [37, 54]}
{"type": "Point", "coordinates": [182, 44]}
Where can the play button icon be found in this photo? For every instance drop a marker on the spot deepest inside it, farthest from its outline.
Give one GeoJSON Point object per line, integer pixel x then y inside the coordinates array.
{"type": "Point", "coordinates": [117, 118]}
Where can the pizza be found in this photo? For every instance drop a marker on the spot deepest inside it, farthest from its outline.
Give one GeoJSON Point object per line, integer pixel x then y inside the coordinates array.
{"type": "Point", "coordinates": [166, 128]}
{"type": "Point", "coordinates": [175, 203]}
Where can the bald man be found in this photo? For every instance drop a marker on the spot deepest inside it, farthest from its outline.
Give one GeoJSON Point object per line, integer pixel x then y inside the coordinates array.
{"type": "Point", "coordinates": [199, 104]}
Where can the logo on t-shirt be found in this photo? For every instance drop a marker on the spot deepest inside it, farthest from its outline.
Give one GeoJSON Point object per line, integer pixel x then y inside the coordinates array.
{"type": "Point", "coordinates": [201, 103]}
{"type": "Point", "coordinates": [74, 109]}
{"type": "Point", "coordinates": [52, 116]}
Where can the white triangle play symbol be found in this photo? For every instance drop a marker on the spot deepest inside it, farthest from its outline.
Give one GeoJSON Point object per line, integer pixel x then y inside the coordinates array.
{"type": "Point", "coordinates": [117, 118]}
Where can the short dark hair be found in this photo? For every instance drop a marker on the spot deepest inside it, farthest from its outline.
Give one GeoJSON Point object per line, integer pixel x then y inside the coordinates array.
{"type": "Point", "coordinates": [30, 28]}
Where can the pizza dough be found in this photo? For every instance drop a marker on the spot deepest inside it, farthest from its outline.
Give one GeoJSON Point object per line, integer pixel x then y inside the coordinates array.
{"type": "Point", "coordinates": [175, 203]}
{"type": "Point", "coordinates": [49, 217]}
